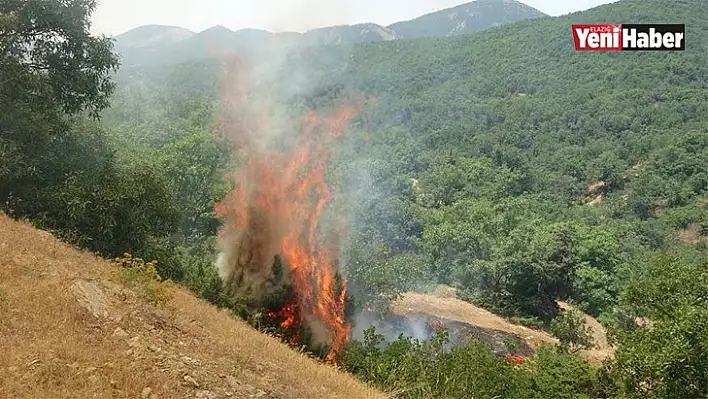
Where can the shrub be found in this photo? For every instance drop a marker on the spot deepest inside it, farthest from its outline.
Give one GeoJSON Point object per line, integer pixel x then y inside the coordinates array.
{"type": "Point", "coordinates": [409, 368]}
{"type": "Point", "coordinates": [572, 331]}
{"type": "Point", "coordinates": [138, 274]}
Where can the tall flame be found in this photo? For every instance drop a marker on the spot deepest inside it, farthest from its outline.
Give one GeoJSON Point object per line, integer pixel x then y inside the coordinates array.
{"type": "Point", "coordinates": [279, 196]}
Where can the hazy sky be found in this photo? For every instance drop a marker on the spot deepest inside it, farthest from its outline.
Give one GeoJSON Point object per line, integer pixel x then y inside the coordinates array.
{"type": "Point", "coordinates": [117, 16]}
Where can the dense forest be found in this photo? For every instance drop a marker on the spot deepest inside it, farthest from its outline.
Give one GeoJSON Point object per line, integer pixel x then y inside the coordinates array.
{"type": "Point", "coordinates": [502, 163]}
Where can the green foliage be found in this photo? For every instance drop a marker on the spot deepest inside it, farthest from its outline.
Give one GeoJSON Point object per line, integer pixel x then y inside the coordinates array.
{"type": "Point", "coordinates": [65, 73]}
{"type": "Point", "coordinates": [554, 374]}
{"type": "Point", "coordinates": [96, 203]}
{"type": "Point", "coordinates": [66, 62]}
{"type": "Point", "coordinates": [195, 166]}
{"type": "Point", "coordinates": [141, 275]}
{"type": "Point", "coordinates": [511, 345]}
{"type": "Point", "coordinates": [666, 353]}
{"type": "Point", "coordinates": [58, 168]}
{"type": "Point", "coordinates": [572, 331]}
{"type": "Point", "coordinates": [596, 290]}
{"type": "Point", "coordinates": [413, 369]}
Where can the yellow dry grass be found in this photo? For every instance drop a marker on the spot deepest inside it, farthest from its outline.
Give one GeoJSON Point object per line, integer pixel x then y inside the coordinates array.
{"type": "Point", "coordinates": [69, 329]}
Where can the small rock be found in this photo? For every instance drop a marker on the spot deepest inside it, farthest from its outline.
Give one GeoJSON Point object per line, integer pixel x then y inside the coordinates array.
{"type": "Point", "coordinates": [146, 392]}
{"type": "Point", "coordinates": [114, 384]}
{"type": "Point", "coordinates": [228, 394]}
{"type": "Point", "coordinates": [260, 393]}
{"type": "Point", "coordinates": [154, 348]}
{"type": "Point", "coordinates": [133, 341]}
{"type": "Point", "coordinates": [93, 378]}
{"type": "Point", "coordinates": [205, 395]}
{"type": "Point", "coordinates": [90, 370]}
{"type": "Point", "coordinates": [129, 352]}
{"type": "Point", "coordinates": [190, 380]}
{"type": "Point", "coordinates": [119, 332]}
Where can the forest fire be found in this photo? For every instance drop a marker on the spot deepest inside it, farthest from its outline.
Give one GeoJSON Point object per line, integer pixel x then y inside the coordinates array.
{"type": "Point", "coordinates": [274, 210]}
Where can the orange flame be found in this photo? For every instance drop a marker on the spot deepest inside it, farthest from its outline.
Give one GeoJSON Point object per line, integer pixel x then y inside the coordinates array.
{"type": "Point", "coordinates": [436, 324]}
{"type": "Point", "coordinates": [279, 196]}
{"type": "Point", "coordinates": [516, 360]}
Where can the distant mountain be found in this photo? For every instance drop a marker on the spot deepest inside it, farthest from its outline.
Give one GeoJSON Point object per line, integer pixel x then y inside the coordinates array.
{"type": "Point", "coordinates": [155, 44]}
{"type": "Point", "coordinates": [360, 33]}
{"type": "Point", "coordinates": [152, 35]}
{"type": "Point", "coordinates": [207, 44]}
{"type": "Point", "coordinates": [466, 18]}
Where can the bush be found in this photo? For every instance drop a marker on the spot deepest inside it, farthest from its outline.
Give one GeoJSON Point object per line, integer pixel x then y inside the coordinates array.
{"type": "Point", "coordinates": [556, 374]}
{"type": "Point", "coordinates": [138, 274]}
{"type": "Point", "coordinates": [409, 368]}
{"type": "Point", "coordinates": [572, 331]}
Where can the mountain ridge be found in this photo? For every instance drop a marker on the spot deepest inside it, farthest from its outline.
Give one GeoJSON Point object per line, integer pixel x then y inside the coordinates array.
{"type": "Point", "coordinates": [149, 34]}
{"type": "Point", "coordinates": [150, 43]}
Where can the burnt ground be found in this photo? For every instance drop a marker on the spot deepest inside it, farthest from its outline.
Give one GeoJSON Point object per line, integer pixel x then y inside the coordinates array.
{"type": "Point", "coordinates": [423, 327]}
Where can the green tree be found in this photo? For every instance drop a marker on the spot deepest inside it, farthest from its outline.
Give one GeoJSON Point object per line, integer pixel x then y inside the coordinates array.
{"type": "Point", "coordinates": [62, 172]}
{"type": "Point", "coordinates": [665, 354]}
{"type": "Point", "coordinates": [50, 67]}
{"type": "Point", "coordinates": [572, 331]}
{"type": "Point", "coordinates": [195, 166]}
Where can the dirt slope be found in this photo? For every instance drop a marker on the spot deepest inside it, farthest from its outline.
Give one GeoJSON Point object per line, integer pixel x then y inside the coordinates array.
{"type": "Point", "coordinates": [69, 329]}
{"type": "Point", "coordinates": [443, 304]}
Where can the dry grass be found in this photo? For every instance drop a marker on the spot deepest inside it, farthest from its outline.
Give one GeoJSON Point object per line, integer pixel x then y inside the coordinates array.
{"type": "Point", "coordinates": [691, 234]}
{"type": "Point", "coordinates": [458, 310]}
{"type": "Point", "coordinates": [593, 187]}
{"type": "Point", "coordinates": [70, 329]}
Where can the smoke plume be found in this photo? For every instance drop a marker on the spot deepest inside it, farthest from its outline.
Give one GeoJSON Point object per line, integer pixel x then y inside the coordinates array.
{"type": "Point", "coordinates": [272, 236]}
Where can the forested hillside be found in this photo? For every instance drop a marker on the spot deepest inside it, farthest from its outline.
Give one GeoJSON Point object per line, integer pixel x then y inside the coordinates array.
{"type": "Point", "coordinates": [511, 167]}
{"type": "Point", "coordinates": [502, 163]}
